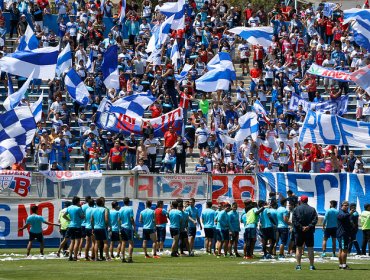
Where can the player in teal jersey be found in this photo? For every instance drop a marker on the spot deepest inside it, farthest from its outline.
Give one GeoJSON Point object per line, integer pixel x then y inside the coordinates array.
{"type": "Point", "coordinates": [99, 223]}
{"type": "Point", "coordinates": [329, 226]}
{"type": "Point", "coordinates": [90, 238]}
{"type": "Point", "coordinates": [283, 226]}
{"type": "Point", "coordinates": [147, 218]}
{"type": "Point", "coordinates": [35, 222]}
{"type": "Point", "coordinates": [114, 229]}
{"type": "Point", "coordinates": [83, 225]}
{"type": "Point", "coordinates": [175, 217]}
{"type": "Point", "coordinates": [208, 220]}
{"type": "Point", "coordinates": [194, 219]}
{"type": "Point", "coordinates": [126, 220]}
{"type": "Point", "coordinates": [234, 230]}
{"type": "Point", "coordinates": [222, 222]}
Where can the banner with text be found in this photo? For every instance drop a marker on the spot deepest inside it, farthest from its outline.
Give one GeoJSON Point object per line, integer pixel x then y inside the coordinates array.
{"type": "Point", "coordinates": [59, 176]}
{"type": "Point", "coordinates": [333, 130]}
{"type": "Point", "coordinates": [318, 70]}
{"type": "Point", "coordinates": [17, 181]}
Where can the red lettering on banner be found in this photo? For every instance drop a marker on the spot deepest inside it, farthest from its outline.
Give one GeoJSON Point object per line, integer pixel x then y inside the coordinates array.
{"type": "Point", "coordinates": [336, 75]}
{"type": "Point", "coordinates": [22, 217]}
{"type": "Point", "coordinates": [224, 189]}
{"type": "Point", "coordinates": [178, 188]}
{"type": "Point", "coordinates": [21, 185]}
{"type": "Point", "coordinates": [50, 207]}
{"type": "Point", "coordinates": [148, 187]}
{"type": "Point", "coordinates": [238, 190]}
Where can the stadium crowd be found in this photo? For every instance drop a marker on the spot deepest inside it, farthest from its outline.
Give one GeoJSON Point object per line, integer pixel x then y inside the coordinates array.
{"type": "Point", "coordinates": [301, 37]}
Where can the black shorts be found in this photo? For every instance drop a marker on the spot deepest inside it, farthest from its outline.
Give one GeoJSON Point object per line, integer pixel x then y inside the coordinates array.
{"type": "Point", "coordinates": [250, 233]}
{"type": "Point", "coordinates": [268, 233]}
{"type": "Point", "coordinates": [83, 232]}
{"type": "Point", "coordinates": [127, 234]}
{"type": "Point", "coordinates": [222, 235]}
{"type": "Point", "coordinates": [244, 60]}
{"type": "Point", "coordinates": [147, 233]}
{"type": "Point", "coordinates": [306, 238]}
{"type": "Point", "coordinates": [174, 232]}
{"type": "Point", "coordinates": [38, 236]}
{"type": "Point", "coordinates": [192, 231]}
{"type": "Point", "coordinates": [234, 235]}
{"type": "Point", "coordinates": [202, 145]}
{"type": "Point", "coordinates": [63, 232]}
{"type": "Point", "coordinates": [161, 234]}
{"type": "Point", "coordinates": [330, 232]}
{"type": "Point", "coordinates": [88, 232]}
{"type": "Point", "coordinates": [74, 233]}
{"type": "Point", "coordinates": [86, 158]}
{"type": "Point", "coordinates": [343, 242]}
{"type": "Point", "coordinates": [209, 232]}
{"type": "Point", "coordinates": [114, 236]}
{"type": "Point", "coordinates": [100, 234]}
{"type": "Point", "coordinates": [183, 234]}
{"type": "Point", "coordinates": [283, 235]}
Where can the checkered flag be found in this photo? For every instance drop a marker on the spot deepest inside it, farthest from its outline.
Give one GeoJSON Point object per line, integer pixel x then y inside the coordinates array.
{"type": "Point", "coordinates": [133, 105]}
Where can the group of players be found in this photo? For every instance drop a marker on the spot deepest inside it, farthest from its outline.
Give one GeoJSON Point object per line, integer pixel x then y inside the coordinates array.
{"type": "Point", "coordinates": [279, 219]}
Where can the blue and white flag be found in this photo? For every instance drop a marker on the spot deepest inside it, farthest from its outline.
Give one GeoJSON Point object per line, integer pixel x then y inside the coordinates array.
{"type": "Point", "coordinates": [28, 41]}
{"type": "Point", "coordinates": [177, 10]}
{"type": "Point", "coordinates": [122, 12]}
{"type": "Point", "coordinates": [335, 107]}
{"type": "Point", "coordinates": [160, 35]}
{"type": "Point", "coordinates": [109, 67]}
{"type": "Point", "coordinates": [356, 14]}
{"type": "Point", "coordinates": [361, 33]}
{"type": "Point", "coordinates": [222, 61]}
{"type": "Point", "coordinates": [259, 109]}
{"type": "Point", "coordinates": [329, 9]}
{"type": "Point", "coordinates": [175, 54]}
{"type": "Point", "coordinates": [327, 129]}
{"type": "Point", "coordinates": [362, 78]}
{"type": "Point", "coordinates": [184, 72]}
{"type": "Point", "coordinates": [90, 61]}
{"type": "Point", "coordinates": [76, 87]}
{"type": "Point", "coordinates": [214, 80]}
{"type": "Point", "coordinates": [17, 129]}
{"type": "Point", "coordinates": [36, 108]}
{"type": "Point", "coordinates": [255, 35]}
{"type": "Point", "coordinates": [248, 126]}
{"type": "Point", "coordinates": [41, 62]}
{"type": "Point", "coordinates": [64, 62]}
{"type": "Point", "coordinates": [10, 85]}
{"type": "Point", "coordinates": [13, 100]}
{"type": "Point", "coordinates": [133, 105]}
{"type": "Point", "coordinates": [224, 139]}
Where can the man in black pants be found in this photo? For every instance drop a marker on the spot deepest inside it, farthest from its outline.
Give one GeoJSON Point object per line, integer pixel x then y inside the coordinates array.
{"type": "Point", "coordinates": [344, 233]}
{"type": "Point", "coordinates": [180, 151]}
{"type": "Point", "coordinates": [304, 222]}
{"type": "Point", "coordinates": [15, 15]}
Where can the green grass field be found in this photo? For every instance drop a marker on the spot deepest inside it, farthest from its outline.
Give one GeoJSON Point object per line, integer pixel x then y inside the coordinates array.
{"type": "Point", "coordinates": [199, 267]}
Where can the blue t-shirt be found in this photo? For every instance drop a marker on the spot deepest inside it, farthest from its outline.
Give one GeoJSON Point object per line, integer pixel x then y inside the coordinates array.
{"type": "Point", "coordinates": [331, 218]}
{"type": "Point", "coordinates": [265, 220]}
{"type": "Point", "coordinates": [273, 214]}
{"type": "Point", "coordinates": [234, 220]}
{"type": "Point", "coordinates": [148, 218]}
{"type": "Point", "coordinates": [88, 215]}
{"type": "Point", "coordinates": [184, 220]}
{"type": "Point", "coordinates": [76, 215]}
{"type": "Point", "coordinates": [193, 213]}
{"type": "Point", "coordinates": [175, 217]}
{"type": "Point", "coordinates": [113, 219]}
{"type": "Point", "coordinates": [282, 212]}
{"type": "Point", "coordinates": [35, 221]}
{"type": "Point", "coordinates": [208, 218]}
{"type": "Point", "coordinates": [99, 218]}
{"type": "Point", "coordinates": [223, 221]}
{"type": "Point", "coordinates": [84, 207]}
{"type": "Point", "coordinates": [125, 215]}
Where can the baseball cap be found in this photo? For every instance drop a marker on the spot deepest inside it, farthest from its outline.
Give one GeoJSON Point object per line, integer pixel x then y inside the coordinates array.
{"type": "Point", "coordinates": [304, 198]}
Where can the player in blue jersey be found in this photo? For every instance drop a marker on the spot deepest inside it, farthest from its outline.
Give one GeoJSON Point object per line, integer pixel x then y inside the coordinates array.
{"type": "Point", "coordinates": [126, 219]}
{"type": "Point", "coordinates": [282, 214]}
{"type": "Point", "coordinates": [234, 230]}
{"type": "Point", "coordinates": [83, 225]}
{"type": "Point", "coordinates": [208, 220]}
{"type": "Point", "coordinates": [175, 217]}
{"type": "Point", "coordinates": [267, 230]}
{"type": "Point", "coordinates": [147, 218]}
{"type": "Point", "coordinates": [194, 219]}
{"type": "Point", "coordinates": [222, 222]}
{"type": "Point", "coordinates": [99, 223]}
{"type": "Point", "coordinates": [90, 238]}
{"type": "Point", "coordinates": [354, 222]}
{"type": "Point", "coordinates": [114, 230]}
{"type": "Point", "coordinates": [35, 222]}
{"type": "Point", "coordinates": [330, 225]}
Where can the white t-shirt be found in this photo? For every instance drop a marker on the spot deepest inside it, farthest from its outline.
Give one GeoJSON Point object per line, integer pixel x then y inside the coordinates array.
{"type": "Point", "coordinates": [244, 50]}
{"type": "Point", "coordinates": [143, 168]}
{"type": "Point", "coordinates": [153, 145]}
{"type": "Point", "coordinates": [202, 134]}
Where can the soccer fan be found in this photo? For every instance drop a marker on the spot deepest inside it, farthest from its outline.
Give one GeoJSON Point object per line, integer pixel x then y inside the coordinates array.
{"type": "Point", "coordinates": [99, 223]}
{"type": "Point", "coordinates": [283, 226]}
{"type": "Point", "coordinates": [194, 219]}
{"type": "Point", "coordinates": [304, 220]}
{"type": "Point", "coordinates": [114, 229]}
{"type": "Point", "coordinates": [35, 222]}
{"type": "Point", "coordinates": [208, 221]}
{"type": "Point", "coordinates": [329, 225]}
{"type": "Point", "coordinates": [160, 224]}
{"type": "Point", "coordinates": [126, 219]}
{"type": "Point", "coordinates": [175, 217]}
{"type": "Point", "coordinates": [222, 222]}
{"type": "Point", "coordinates": [343, 233]}
{"type": "Point", "coordinates": [141, 167]}
{"type": "Point", "coordinates": [147, 218]}
{"type": "Point", "coordinates": [234, 230]}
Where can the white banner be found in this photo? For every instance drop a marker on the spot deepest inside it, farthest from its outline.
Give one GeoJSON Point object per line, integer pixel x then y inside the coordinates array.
{"type": "Point", "coordinates": [59, 176]}
{"type": "Point", "coordinates": [329, 73]}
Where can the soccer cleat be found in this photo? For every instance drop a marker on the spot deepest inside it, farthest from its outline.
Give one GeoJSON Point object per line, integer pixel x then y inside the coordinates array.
{"type": "Point", "coordinates": [130, 260]}
{"type": "Point", "coordinates": [323, 255]}
{"type": "Point", "coordinates": [156, 257]}
{"type": "Point", "coordinates": [147, 256]}
{"type": "Point", "coordinates": [173, 254]}
{"type": "Point", "coordinates": [298, 267]}
{"type": "Point", "coordinates": [346, 267]}
{"type": "Point", "coordinates": [124, 260]}
{"type": "Point", "coordinates": [238, 255]}
{"type": "Point", "coordinates": [249, 258]}
{"type": "Point", "coordinates": [312, 267]}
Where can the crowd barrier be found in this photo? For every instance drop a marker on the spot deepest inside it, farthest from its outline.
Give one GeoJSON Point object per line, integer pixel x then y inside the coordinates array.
{"type": "Point", "coordinates": [20, 190]}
